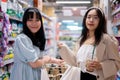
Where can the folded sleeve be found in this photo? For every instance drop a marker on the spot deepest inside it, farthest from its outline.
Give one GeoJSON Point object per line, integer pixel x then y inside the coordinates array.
{"type": "Point", "coordinates": [24, 50]}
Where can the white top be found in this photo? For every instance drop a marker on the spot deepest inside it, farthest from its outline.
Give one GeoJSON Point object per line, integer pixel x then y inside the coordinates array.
{"type": "Point", "coordinates": [85, 53]}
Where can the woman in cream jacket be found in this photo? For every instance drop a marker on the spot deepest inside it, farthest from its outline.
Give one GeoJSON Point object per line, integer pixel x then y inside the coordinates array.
{"type": "Point", "coordinates": [97, 53]}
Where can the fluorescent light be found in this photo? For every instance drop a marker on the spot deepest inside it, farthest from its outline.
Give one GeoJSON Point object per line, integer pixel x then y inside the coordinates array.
{"type": "Point", "coordinates": [73, 2]}
{"type": "Point", "coordinates": [67, 21]}
{"type": "Point", "coordinates": [74, 28]}
{"type": "Point", "coordinates": [69, 7]}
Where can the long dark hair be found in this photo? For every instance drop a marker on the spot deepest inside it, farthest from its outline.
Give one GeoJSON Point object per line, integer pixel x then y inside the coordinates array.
{"type": "Point", "coordinates": [99, 30]}
{"type": "Point", "coordinates": [38, 39]}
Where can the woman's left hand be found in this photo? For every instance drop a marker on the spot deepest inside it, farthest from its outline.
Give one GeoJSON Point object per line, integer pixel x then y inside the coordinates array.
{"type": "Point", "coordinates": [57, 61]}
{"type": "Point", "coordinates": [92, 65]}
{"type": "Point", "coordinates": [97, 65]}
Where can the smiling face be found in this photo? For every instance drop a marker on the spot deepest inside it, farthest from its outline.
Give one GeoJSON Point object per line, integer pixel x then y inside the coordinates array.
{"type": "Point", "coordinates": [34, 24]}
{"type": "Point", "coordinates": [92, 20]}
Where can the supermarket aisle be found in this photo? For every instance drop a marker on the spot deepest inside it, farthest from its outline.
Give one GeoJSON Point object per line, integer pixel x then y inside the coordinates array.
{"type": "Point", "coordinates": [62, 22]}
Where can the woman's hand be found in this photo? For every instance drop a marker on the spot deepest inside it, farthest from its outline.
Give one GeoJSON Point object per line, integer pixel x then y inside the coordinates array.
{"type": "Point", "coordinates": [46, 59]}
{"type": "Point", "coordinates": [97, 65]}
{"type": "Point", "coordinates": [57, 61]}
{"type": "Point", "coordinates": [40, 62]}
{"type": "Point", "coordinates": [93, 65]}
{"type": "Point", "coordinates": [89, 66]}
{"type": "Point", "coordinates": [60, 44]}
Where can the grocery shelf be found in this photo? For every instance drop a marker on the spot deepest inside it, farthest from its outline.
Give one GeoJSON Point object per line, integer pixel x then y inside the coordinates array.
{"type": "Point", "coordinates": [116, 11]}
{"type": "Point", "coordinates": [7, 61]}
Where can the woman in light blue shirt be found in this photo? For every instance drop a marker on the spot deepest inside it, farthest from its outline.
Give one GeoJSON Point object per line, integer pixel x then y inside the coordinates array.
{"type": "Point", "coordinates": [29, 48]}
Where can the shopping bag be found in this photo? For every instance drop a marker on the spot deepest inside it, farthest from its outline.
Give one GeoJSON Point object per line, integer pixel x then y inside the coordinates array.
{"type": "Point", "coordinates": [72, 73]}
{"type": "Point", "coordinates": [44, 74]}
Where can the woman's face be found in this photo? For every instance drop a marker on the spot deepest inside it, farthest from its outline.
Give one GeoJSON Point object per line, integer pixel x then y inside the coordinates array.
{"type": "Point", "coordinates": [34, 24]}
{"type": "Point", "coordinates": [92, 20]}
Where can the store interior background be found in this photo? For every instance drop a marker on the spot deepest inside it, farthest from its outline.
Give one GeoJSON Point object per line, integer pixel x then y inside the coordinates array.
{"type": "Point", "coordinates": [62, 18]}
{"type": "Point", "coordinates": [62, 22]}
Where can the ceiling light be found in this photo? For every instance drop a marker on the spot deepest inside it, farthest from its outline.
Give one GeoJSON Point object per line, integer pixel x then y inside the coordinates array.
{"type": "Point", "coordinates": [67, 21]}
{"type": "Point", "coordinates": [73, 2]}
{"type": "Point", "coordinates": [74, 28]}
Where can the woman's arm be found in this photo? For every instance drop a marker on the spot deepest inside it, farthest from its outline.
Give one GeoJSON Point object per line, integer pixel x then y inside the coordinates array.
{"type": "Point", "coordinates": [112, 64]}
{"type": "Point", "coordinates": [45, 60]}
{"type": "Point", "coordinates": [67, 54]}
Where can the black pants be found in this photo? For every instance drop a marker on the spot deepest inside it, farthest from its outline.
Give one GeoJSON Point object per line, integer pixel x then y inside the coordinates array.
{"type": "Point", "coordinates": [87, 76]}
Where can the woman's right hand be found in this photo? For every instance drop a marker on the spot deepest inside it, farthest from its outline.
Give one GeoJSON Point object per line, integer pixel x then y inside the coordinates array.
{"type": "Point", "coordinates": [60, 44]}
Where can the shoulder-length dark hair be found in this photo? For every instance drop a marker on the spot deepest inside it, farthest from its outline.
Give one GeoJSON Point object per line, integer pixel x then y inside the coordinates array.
{"type": "Point", "coordinates": [101, 28]}
{"type": "Point", "coordinates": [38, 39]}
